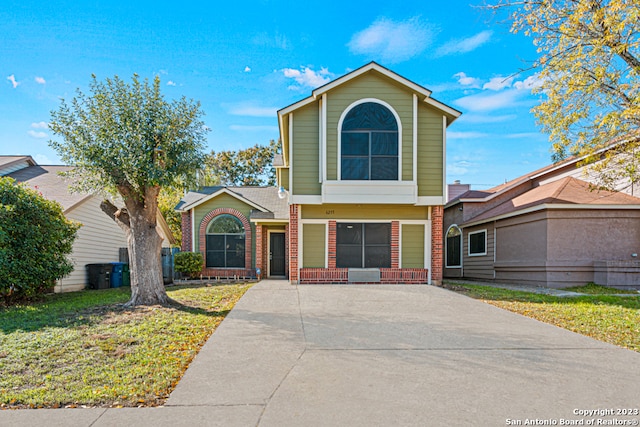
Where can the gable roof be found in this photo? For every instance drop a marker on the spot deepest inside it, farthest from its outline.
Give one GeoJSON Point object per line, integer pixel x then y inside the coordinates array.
{"type": "Point", "coordinates": [47, 181]}
{"type": "Point", "coordinates": [373, 66]}
{"type": "Point", "coordinates": [10, 164]}
{"type": "Point", "coordinates": [565, 192]}
{"type": "Point", "coordinates": [265, 200]}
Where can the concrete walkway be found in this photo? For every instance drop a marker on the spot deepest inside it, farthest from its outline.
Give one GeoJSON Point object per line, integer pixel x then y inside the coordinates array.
{"type": "Point", "coordinates": [380, 355]}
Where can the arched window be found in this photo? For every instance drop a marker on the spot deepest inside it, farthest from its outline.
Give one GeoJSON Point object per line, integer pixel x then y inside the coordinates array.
{"type": "Point", "coordinates": [369, 143]}
{"type": "Point", "coordinates": [453, 247]}
{"type": "Point", "coordinates": [225, 242]}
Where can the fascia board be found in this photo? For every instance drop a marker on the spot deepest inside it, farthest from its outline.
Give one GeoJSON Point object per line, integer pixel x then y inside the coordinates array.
{"type": "Point", "coordinates": [216, 194]}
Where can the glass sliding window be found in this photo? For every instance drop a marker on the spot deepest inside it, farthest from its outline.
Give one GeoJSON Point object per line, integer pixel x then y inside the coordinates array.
{"type": "Point", "coordinates": [369, 144]}
{"type": "Point", "coordinates": [225, 241]}
{"type": "Point", "coordinates": [363, 245]}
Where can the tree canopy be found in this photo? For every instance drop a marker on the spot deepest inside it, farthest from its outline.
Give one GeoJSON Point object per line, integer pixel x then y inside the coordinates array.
{"type": "Point", "coordinates": [251, 166]}
{"type": "Point", "coordinates": [127, 139]}
{"type": "Point", "coordinates": [35, 241]}
{"type": "Point", "coordinates": [588, 77]}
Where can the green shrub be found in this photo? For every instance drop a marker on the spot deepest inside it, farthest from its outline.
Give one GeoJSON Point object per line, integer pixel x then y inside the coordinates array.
{"type": "Point", "coordinates": [189, 263]}
{"type": "Point", "coordinates": [35, 239]}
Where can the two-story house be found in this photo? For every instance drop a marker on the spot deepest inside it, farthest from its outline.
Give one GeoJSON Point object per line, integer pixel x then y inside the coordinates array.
{"type": "Point", "coordinates": [361, 189]}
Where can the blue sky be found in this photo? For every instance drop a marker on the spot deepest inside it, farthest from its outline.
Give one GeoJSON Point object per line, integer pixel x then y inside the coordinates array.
{"type": "Point", "coordinates": [244, 60]}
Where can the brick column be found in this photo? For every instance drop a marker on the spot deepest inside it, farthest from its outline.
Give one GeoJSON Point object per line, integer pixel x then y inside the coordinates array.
{"type": "Point", "coordinates": [259, 250]}
{"type": "Point", "coordinates": [437, 235]}
{"type": "Point", "coordinates": [293, 244]}
{"type": "Point", "coordinates": [286, 249]}
{"type": "Point", "coordinates": [395, 244]}
{"type": "Point", "coordinates": [187, 244]}
{"type": "Point", "coordinates": [331, 245]}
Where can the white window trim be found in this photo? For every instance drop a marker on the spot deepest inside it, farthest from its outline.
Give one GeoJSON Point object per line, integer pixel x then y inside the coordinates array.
{"type": "Point", "coordinates": [469, 243]}
{"type": "Point", "coordinates": [339, 148]}
{"type": "Point", "coordinates": [446, 250]}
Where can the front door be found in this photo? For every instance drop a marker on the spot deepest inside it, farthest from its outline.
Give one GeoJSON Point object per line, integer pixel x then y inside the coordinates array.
{"type": "Point", "coordinates": [276, 254]}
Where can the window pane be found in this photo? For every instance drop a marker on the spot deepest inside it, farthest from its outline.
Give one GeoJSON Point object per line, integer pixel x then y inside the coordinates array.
{"type": "Point", "coordinates": [477, 243]}
{"type": "Point", "coordinates": [377, 234]}
{"type": "Point", "coordinates": [215, 242]}
{"type": "Point", "coordinates": [384, 168]}
{"type": "Point", "coordinates": [355, 143]}
{"type": "Point", "coordinates": [384, 143]}
{"type": "Point", "coordinates": [377, 256]}
{"type": "Point", "coordinates": [215, 258]}
{"type": "Point", "coordinates": [349, 234]}
{"type": "Point", "coordinates": [348, 256]}
{"type": "Point", "coordinates": [355, 168]}
{"type": "Point", "coordinates": [235, 259]}
{"type": "Point", "coordinates": [369, 116]}
{"type": "Point", "coordinates": [225, 224]}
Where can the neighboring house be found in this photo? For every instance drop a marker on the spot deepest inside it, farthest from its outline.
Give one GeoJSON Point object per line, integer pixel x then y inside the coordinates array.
{"type": "Point", "coordinates": [546, 228]}
{"type": "Point", "coordinates": [99, 238]}
{"type": "Point", "coordinates": [362, 189]}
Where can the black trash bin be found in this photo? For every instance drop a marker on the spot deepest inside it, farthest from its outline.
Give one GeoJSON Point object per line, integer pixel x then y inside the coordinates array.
{"type": "Point", "coordinates": [99, 275]}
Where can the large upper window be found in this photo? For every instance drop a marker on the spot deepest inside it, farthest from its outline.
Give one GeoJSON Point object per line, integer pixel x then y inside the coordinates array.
{"type": "Point", "coordinates": [369, 143]}
{"type": "Point", "coordinates": [454, 247]}
{"type": "Point", "coordinates": [225, 242]}
{"type": "Point", "coordinates": [363, 245]}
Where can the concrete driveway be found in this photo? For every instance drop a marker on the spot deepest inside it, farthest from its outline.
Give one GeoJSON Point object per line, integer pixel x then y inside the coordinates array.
{"type": "Point", "coordinates": [383, 355]}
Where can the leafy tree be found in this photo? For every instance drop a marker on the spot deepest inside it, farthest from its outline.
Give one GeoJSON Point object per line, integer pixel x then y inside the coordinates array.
{"type": "Point", "coordinates": [125, 138]}
{"type": "Point", "coordinates": [35, 240]}
{"type": "Point", "coordinates": [168, 198]}
{"type": "Point", "coordinates": [251, 166]}
{"type": "Point", "coordinates": [588, 72]}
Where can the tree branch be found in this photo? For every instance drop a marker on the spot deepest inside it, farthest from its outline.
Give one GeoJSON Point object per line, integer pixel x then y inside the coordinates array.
{"type": "Point", "coordinates": [120, 216]}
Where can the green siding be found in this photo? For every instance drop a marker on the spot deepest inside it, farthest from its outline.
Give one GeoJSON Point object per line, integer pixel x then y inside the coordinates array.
{"type": "Point", "coordinates": [430, 155]}
{"type": "Point", "coordinates": [284, 178]}
{"type": "Point", "coordinates": [223, 201]}
{"type": "Point", "coordinates": [305, 162]}
{"type": "Point", "coordinates": [313, 246]}
{"type": "Point", "coordinates": [412, 246]}
{"type": "Point", "coordinates": [370, 85]}
{"type": "Point", "coordinates": [362, 212]}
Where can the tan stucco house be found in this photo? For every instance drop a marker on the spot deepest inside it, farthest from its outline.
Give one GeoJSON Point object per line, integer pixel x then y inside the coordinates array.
{"type": "Point", "coordinates": [546, 228]}
{"type": "Point", "coordinates": [99, 238]}
{"type": "Point", "coordinates": [361, 189]}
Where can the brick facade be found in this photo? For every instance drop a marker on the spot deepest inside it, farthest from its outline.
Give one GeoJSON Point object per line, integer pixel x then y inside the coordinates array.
{"type": "Point", "coordinates": [248, 271]}
{"type": "Point", "coordinates": [293, 243]}
{"type": "Point", "coordinates": [261, 247]}
{"type": "Point", "coordinates": [437, 244]}
{"type": "Point", "coordinates": [187, 244]}
{"type": "Point", "coordinates": [388, 276]}
{"type": "Point", "coordinates": [395, 244]}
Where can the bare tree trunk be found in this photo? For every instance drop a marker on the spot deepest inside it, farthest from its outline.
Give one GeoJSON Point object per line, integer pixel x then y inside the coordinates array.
{"type": "Point", "coordinates": [138, 221]}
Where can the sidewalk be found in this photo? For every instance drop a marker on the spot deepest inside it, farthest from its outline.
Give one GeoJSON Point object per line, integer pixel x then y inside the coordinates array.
{"type": "Point", "coordinates": [377, 356]}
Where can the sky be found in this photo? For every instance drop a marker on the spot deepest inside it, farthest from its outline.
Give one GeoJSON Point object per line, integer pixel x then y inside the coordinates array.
{"type": "Point", "coordinates": [244, 60]}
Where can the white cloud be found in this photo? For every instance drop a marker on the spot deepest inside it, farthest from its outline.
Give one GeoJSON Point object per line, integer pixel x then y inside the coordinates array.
{"type": "Point", "coordinates": [247, 69]}
{"type": "Point", "coordinates": [456, 46]}
{"type": "Point", "coordinates": [465, 80]}
{"type": "Point", "coordinates": [491, 102]}
{"type": "Point", "coordinates": [498, 83]}
{"type": "Point", "coordinates": [40, 125]}
{"type": "Point", "coordinates": [171, 83]}
{"type": "Point", "coordinates": [523, 135]}
{"type": "Point", "coordinates": [40, 80]}
{"type": "Point", "coordinates": [37, 135]}
{"type": "Point", "coordinates": [529, 83]}
{"type": "Point", "coordinates": [12, 79]}
{"type": "Point", "coordinates": [249, 109]}
{"type": "Point", "coordinates": [276, 40]}
{"type": "Point", "coordinates": [486, 118]}
{"type": "Point", "coordinates": [466, 135]}
{"type": "Point", "coordinates": [392, 41]}
{"type": "Point", "coordinates": [306, 77]}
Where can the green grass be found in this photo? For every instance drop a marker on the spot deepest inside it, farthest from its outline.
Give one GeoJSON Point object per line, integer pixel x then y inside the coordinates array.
{"type": "Point", "coordinates": [593, 289]}
{"type": "Point", "coordinates": [609, 318]}
{"type": "Point", "coordinates": [84, 348]}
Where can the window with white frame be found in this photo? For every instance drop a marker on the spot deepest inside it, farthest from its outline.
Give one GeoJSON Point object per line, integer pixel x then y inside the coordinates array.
{"type": "Point", "coordinates": [477, 243]}
{"type": "Point", "coordinates": [369, 144]}
{"type": "Point", "coordinates": [365, 245]}
{"type": "Point", "coordinates": [453, 250]}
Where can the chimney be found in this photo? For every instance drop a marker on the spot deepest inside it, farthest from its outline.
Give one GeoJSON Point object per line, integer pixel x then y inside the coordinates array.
{"type": "Point", "coordinates": [456, 189]}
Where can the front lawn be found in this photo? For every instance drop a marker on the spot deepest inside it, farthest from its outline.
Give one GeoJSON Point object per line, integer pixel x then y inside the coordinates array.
{"type": "Point", "coordinates": [605, 317]}
{"type": "Point", "coordinates": [84, 348]}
